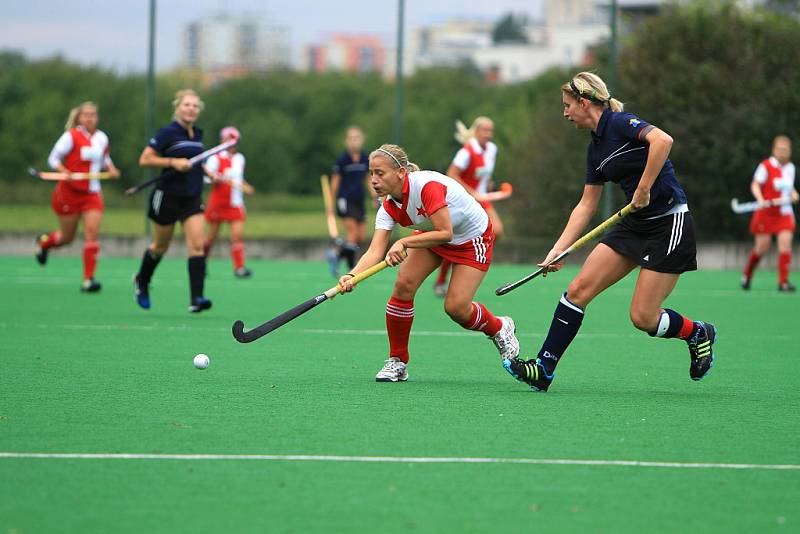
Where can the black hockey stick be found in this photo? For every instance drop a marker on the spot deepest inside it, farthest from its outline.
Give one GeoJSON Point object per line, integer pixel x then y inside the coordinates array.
{"type": "Point", "coordinates": [194, 161]}
{"type": "Point", "coordinates": [273, 324]}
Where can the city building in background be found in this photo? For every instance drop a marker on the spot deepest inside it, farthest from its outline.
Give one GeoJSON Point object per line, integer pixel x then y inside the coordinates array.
{"type": "Point", "coordinates": [345, 53]}
{"type": "Point", "coordinates": [233, 45]}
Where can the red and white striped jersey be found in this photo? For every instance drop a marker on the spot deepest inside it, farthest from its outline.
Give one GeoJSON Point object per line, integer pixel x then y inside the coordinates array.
{"type": "Point", "coordinates": [476, 164]}
{"type": "Point", "coordinates": [231, 166]}
{"type": "Point", "coordinates": [424, 193]}
{"type": "Point", "coordinates": [80, 151]}
{"type": "Point", "coordinates": [776, 181]}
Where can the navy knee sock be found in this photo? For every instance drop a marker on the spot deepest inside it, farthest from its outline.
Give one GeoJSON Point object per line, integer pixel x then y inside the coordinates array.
{"type": "Point", "coordinates": [149, 263]}
{"type": "Point", "coordinates": [567, 321]}
{"type": "Point", "coordinates": [197, 275]}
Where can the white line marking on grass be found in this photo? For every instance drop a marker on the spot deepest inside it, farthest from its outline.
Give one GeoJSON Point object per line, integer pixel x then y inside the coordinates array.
{"type": "Point", "coordinates": [393, 459]}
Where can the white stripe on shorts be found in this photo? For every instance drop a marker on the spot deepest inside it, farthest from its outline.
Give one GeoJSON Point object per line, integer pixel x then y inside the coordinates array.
{"type": "Point", "coordinates": [677, 232]}
{"type": "Point", "coordinates": [158, 196]}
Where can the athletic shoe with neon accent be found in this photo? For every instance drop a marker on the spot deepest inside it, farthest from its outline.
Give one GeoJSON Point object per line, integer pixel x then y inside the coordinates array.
{"type": "Point", "coordinates": [142, 293]}
{"type": "Point", "coordinates": [242, 272]}
{"type": "Point", "coordinates": [701, 351]}
{"type": "Point", "coordinates": [41, 253]}
{"type": "Point", "coordinates": [393, 370]}
{"type": "Point", "coordinates": [90, 286]}
{"type": "Point", "coordinates": [440, 290]}
{"type": "Point", "coordinates": [505, 339]}
{"type": "Point", "coordinates": [199, 304]}
{"type": "Point", "coordinates": [531, 372]}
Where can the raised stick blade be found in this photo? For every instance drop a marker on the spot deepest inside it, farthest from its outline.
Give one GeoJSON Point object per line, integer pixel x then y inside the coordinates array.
{"type": "Point", "coordinates": [506, 187]}
{"type": "Point", "coordinates": [33, 172]}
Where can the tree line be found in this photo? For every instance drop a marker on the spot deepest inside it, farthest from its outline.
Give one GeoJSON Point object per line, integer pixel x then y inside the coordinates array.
{"type": "Point", "coordinates": [719, 79]}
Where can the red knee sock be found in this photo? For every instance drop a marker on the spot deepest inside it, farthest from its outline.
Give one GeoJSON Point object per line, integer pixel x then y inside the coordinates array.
{"type": "Point", "coordinates": [53, 239]}
{"type": "Point", "coordinates": [752, 263]}
{"type": "Point", "coordinates": [237, 254]}
{"type": "Point", "coordinates": [443, 268]}
{"type": "Point", "coordinates": [784, 260]}
{"type": "Point", "coordinates": [90, 251]}
{"type": "Point", "coordinates": [399, 316]}
{"type": "Point", "coordinates": [482, 320]}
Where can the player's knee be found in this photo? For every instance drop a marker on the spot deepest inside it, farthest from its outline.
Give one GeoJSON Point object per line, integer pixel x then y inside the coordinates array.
{"type": "Point", "coordinates": [578, 293]}
{"type": "Point", "coordinates": [644, 320]}
{"type": "Point", "coordinates": [459, 312]}
{"type": "Point", "coordinates": [404, 288]}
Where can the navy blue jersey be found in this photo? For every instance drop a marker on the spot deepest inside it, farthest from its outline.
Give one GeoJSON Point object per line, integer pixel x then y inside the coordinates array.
{"type": "Point", "coordinates": [618, 153]}
{"type": "Point", "coordinates": [173, 141]}
{"type": "Point", "coordinates": [353, 173]}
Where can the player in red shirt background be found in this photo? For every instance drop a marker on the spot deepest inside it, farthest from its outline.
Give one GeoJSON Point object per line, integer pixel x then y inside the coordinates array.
{"type": "Point", "coordinates": [472, 167]}
{"type": "Point", "coordinates": [82, 148]}
{"type": "Point", "coordinates": [226, 201]}
{"type": "Point", "coordinates": [772, 180]}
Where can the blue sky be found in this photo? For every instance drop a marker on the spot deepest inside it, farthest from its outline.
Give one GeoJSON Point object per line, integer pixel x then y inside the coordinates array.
{"type": "Point", "coordinates": [113, 33]}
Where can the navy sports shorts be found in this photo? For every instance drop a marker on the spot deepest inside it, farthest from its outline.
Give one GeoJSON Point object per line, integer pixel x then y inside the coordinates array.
{"type": "Point", "coordinates": [166, 209]}
{"type": "Point", "coordinates": [666, 244]}
{"type": "Point", "coordinates": [352, 208]}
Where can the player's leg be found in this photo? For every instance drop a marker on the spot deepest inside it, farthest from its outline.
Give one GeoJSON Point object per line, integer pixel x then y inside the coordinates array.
{"type": "Point", "coordinates": [761, 247]}
{"type": "Point", "coordinates": [196, 264]}
{"type": "Point", "coordinates": [652, 289]}
{"type": "Point", "coordinates": [162, 235]}
{"type": "Point", "coordinates": [67, 226]}
{"type": "Point", "coordinates": [350, 248]}
{"type": "Point", "coordinates": [497, 222]}
{"type": "Point", "coordinates": [461, 307]}
{"type": "Point", "coordinates": [237, 249]}
{"type": "Point", "coordinates": [400, 311]}
{"type": "Point", "coordinates": [211, 237]}
{"type": "Point", "coordinates": [784, 260]}
{"type": "Point", "coordinates": [603, 268]}
{"type": "Point", "coordinates": [91, 248]}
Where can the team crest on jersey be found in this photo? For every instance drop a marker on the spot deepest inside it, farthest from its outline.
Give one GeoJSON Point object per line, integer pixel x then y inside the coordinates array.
{"type": "Point", "coordinates": [634, 122]}
{"type": "Point", "coordinates": [421, 211]}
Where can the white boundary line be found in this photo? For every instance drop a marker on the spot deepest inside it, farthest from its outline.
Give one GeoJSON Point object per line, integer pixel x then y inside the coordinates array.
{"type": "Point", "coordinates": [393, 459]}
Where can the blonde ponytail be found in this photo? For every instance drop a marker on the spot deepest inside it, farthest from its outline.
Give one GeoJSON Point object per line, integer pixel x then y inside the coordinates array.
{"type": "Point", "coordinates": [463, 134]}
{"type": "Point", "coordinates": [590, 86]}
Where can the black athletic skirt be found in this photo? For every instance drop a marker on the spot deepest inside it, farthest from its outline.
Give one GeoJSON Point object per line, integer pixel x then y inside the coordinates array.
{"type": "Point", "coordinates": [166, 209]}
{"type": "Point", "coordinates": [666, 244]}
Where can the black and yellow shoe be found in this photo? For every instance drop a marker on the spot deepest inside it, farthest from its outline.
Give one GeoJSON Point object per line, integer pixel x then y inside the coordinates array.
{"type": "Point", "coordinates": [701, 350]}
{"type": "Point", "coordinates": [531, 372]}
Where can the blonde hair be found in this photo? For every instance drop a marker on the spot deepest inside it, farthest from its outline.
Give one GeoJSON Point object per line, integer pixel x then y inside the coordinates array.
{"type": "Point", "coordinates": [463, 134]}
{"type": "Point", "coordinates": [413, 167]}
{"type": "Point", "coordinates": [393, 152]}
{"type": "Point", "coordinates": [590, 86]}
{"type": "Point", "coordinates": [183, 93]}
{"type": "Point", "coordinates": [72, 118]}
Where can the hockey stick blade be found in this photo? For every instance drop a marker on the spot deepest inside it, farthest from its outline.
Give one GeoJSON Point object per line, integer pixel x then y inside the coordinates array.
{"type": "Point", "coordinates": [273, 324]}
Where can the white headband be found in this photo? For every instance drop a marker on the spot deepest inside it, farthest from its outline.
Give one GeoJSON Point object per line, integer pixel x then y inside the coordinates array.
{"type": "Point", "coordinates": [390, 155]}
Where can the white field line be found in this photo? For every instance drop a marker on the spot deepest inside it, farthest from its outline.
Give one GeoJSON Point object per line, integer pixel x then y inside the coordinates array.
{"type": "Point", "coordinates": [331, 331]}
{"type": "Point", "coordinates": [393, 459]}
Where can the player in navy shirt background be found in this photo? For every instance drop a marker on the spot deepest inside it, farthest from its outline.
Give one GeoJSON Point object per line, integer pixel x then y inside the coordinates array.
{"type": "Point", "coordinates": [658, 237]}
{"type": "Point", "coordinates": [348, 184]}
{"type": "Point", "coordinates": [176, 197]}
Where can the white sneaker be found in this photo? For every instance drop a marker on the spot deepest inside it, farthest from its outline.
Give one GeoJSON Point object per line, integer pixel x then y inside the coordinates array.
{"type": "Point", "coordinates": [393, 371]}
{"type": "Point", "coordinates": [506, 342]}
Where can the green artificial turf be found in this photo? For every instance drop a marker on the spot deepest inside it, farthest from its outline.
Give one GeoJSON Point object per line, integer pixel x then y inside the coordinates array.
{"type": "Point", "coordinates": [95, 374]}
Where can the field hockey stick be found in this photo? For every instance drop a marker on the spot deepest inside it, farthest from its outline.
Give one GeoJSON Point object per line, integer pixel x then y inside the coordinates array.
{"type": "Point", "coordinates": [598, 230]}
{"type": "Point", "coordinates": [327, 198]}
{"type": "Point", "coordinates": [64, 176]}
{"type": "Point", "coordinates": [503, 193]}
{"type": "Point", "coordinates": [273, 324]}
{"type": "Point", "coordinates": [193, 160]}
{"type": "Point", "coordinates": [749, 207]}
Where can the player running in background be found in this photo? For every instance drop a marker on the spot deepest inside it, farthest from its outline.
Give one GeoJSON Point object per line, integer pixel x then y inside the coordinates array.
{"type": "Point", "coordinates": [81, 148]}
{"type": "Point", "coordinates": [348, 182]}
{"type": "Point", "coordinates": [773, 179]}
{"type": "Point", "coordinates": [226, 201]}
{"type": "Point", "coordinates": [472, 167]}
{"type": "Point", "coordinates": [449, 224]}
{"type": "Point", "coordinates": [658, 237]}
{"type": "Point", "coordinates": [177, 197]}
